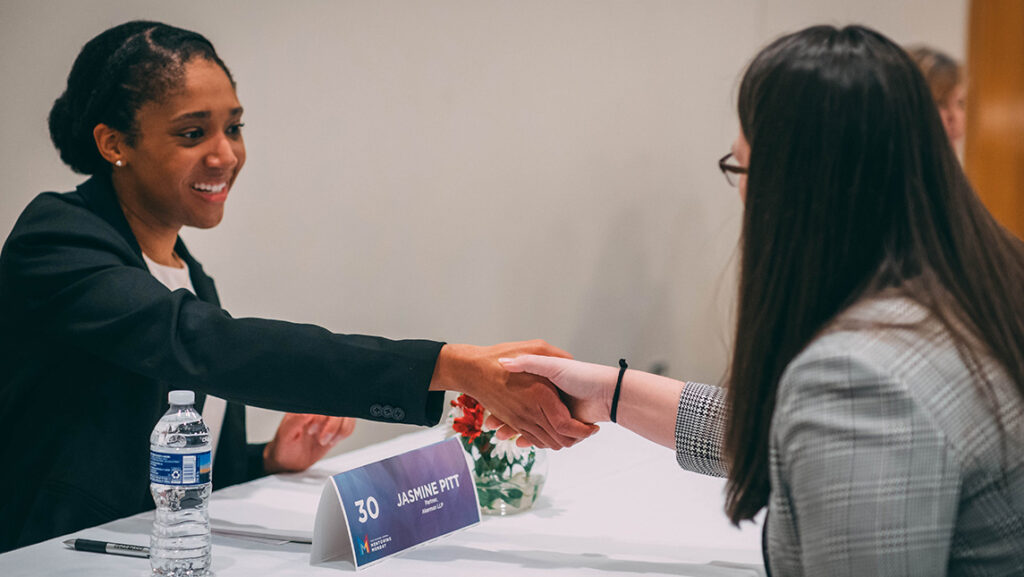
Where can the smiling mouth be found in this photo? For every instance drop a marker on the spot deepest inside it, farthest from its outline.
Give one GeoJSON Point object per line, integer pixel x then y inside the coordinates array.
{"type": "Point", "coordinates": [209, 188]}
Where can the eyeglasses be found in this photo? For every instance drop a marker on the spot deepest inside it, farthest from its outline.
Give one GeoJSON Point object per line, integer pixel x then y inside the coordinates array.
{"type": "Point", "coordinates": [732, 172]}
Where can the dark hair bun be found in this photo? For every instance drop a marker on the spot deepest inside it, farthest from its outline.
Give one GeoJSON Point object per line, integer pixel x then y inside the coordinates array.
{"type": "Point", "coordinates": [77, 150]}
{"type": "Point", "coordinates": [114, 74]}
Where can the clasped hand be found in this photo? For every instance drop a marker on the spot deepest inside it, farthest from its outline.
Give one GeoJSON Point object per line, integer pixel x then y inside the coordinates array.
{"type": "Point", "coordinates": [647, 403]}
{"type": "Point", "coordinates": [579, 382]}
{"type": "Point", "coordinates": [528, 403]}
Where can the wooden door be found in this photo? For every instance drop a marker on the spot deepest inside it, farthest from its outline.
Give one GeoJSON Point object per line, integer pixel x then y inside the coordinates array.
{"type": "Point", "coordinates": [994, 145]}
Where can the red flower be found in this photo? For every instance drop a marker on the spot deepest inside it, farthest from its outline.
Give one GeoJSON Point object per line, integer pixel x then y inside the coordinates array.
{"type": "Point", "coordinates": [470, 424]}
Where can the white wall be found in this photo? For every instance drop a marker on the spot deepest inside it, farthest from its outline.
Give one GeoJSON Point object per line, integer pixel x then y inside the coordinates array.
{"type": "Point", "coordinates": [465, 170]}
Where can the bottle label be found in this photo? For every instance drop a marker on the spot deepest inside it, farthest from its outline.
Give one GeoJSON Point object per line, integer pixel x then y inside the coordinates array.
{"type": "Point", "coordinates": [179, 469]}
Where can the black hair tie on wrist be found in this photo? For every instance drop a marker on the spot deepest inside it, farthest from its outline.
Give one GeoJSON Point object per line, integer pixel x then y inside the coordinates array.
{"type": "Point", "coordinates": [618, 389]}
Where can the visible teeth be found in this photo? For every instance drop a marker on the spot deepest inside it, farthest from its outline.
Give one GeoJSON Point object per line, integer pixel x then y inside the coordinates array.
{"type": "Point", "coordinates": [210, 187]}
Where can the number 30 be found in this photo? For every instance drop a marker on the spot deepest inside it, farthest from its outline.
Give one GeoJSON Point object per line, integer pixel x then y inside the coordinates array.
{"type": "Point", "coordinates": [370, 511]}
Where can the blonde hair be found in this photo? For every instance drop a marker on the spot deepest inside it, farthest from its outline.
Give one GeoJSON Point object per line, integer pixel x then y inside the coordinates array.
{"type": "Point", "coordinates": [941, 71]}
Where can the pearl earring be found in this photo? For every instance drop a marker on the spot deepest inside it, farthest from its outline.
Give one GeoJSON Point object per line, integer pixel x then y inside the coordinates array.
{"type": "Point", "coordinates": [119, 163]}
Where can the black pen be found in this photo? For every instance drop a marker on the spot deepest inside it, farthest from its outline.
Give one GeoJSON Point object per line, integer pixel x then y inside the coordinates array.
{"type": "Point", "coordinates": [110, 548]}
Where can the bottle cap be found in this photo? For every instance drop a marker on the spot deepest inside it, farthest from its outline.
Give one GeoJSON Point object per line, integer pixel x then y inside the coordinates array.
{"type": "Point", "coordinates": [181, 397]}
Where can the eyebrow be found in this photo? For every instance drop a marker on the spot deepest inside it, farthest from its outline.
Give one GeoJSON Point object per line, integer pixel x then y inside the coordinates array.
{"type": "Point", "coordinates": [204, 114]}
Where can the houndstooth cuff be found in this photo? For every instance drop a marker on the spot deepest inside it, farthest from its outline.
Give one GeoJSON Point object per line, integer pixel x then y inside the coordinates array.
{"type": "Point", "coordinates": [700, 429]}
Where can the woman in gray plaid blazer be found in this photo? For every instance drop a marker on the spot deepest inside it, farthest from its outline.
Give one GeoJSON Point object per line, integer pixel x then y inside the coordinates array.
{"type": "Point", "coordinates": [876, 391]}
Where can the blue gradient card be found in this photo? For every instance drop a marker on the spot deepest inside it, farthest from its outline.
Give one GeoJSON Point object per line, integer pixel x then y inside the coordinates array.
{"type": "Point", "coordinates": [390, 506]}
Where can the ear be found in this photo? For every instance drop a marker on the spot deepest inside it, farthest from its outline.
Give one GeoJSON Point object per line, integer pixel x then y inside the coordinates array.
{"type": "Point", "coordinates": [110, 142]}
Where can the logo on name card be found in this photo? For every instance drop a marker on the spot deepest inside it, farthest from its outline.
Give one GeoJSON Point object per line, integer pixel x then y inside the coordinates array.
{"type": "Point", "coordinates": [376, 545]}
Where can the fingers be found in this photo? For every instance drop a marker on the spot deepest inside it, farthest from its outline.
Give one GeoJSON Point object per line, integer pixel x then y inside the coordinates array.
{"type": "Point", "coordinates": [502, 432]}
{"type": "Point", "coordinates": [543, 441]}
{"type": "Point", "coordinates": [321, 430]}
{"type": "Point", "coordinates": [332, 430]}
{"type": "Point", "coordinates": [339, 428]}
{"type": "Point", "coordinates": [537, 425]}
{"type": "Point", "coordinates": [575, 429]}
{"type": "Point", "coordinates": [493, 423]}
{"type": "Point", "coordinates": [293, 426]}
{"type": "Point", "coordinates": [515, 365]}
{"type": "Point", "coordinates": [526, 440]}
{"type": "Point", "coordinates": [314, 424]}
{"type": "Point", "coordinates": [544, 419]}
{"type": "Point", "coordinates": [529, 428]}
{"type": "Point", "coordinates": [348, 426]}
{"type": "Point", "coordinates": [564, 427]}
{"type": "Point", "coordinates": [539, 365]}
{"type": "Point", "coordinates": [505, 433]}
{"type": "Point", "coordinates": [551, 350]}
{"type": "Point", "coordinates": [535, 347]}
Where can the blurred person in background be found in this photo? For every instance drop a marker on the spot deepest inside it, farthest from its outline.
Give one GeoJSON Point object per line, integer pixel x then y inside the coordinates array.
{"type": "Point", "coordinates": [948, 83]}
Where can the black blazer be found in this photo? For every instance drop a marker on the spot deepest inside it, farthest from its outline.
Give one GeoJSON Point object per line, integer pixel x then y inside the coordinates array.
{"type": "Point", "coordinates": [91, 344]}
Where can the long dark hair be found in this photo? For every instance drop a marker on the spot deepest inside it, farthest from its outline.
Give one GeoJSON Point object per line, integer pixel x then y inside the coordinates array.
{"type": "Point", "coordinates": [853, 187]}
{"type": "Point", "coordinates": [115, 73]}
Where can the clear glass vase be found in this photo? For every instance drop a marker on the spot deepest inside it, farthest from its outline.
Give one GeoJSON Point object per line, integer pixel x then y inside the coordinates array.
{"type": "Point", "coordinates": [506, 483]}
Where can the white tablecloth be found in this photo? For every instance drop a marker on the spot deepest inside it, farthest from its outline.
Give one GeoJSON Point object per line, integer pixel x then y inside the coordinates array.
{"type": "Point", "coordinates": [614, 505]}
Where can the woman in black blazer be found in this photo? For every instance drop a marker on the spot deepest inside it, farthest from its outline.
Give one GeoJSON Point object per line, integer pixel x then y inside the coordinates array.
{"type": "Point", "coordinates": [92, 341]}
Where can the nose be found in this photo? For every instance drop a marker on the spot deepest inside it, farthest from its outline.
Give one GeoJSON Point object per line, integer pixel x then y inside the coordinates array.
{"type": "Point", "coordinates": [222, 154]}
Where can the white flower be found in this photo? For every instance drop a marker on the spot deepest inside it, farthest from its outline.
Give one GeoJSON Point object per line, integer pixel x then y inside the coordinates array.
{"type": "Point", "coordinates": [508, 449]}
{"type": "Point", "coordinates": [453, 414]}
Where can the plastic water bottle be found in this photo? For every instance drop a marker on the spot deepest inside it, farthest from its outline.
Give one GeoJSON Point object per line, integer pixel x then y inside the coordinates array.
{"type": "Point", "coordinates": [180, 474]}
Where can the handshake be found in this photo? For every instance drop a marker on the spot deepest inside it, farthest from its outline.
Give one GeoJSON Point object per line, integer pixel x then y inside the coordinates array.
{"type": "Point", "coordinates": [533, 389]}
{"type": "Point", "coordinates": [515, 381]}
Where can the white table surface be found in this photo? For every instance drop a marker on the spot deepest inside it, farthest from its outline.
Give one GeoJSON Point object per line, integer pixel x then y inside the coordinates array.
{"type": "Point", "coordinates": [613, 505]}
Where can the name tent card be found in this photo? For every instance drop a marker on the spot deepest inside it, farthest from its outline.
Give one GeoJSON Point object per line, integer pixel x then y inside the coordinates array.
{"type": "Point", "coordinates": [374, 511]}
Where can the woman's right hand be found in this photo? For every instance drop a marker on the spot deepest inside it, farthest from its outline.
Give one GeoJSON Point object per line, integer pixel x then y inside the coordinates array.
{"type": "Point", "coordinates": [648, 403]}
{"type": "Point", "coordinates": [588, 386]}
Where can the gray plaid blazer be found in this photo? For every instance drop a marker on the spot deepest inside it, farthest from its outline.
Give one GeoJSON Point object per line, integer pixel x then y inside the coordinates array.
{"type": "Point", "coordinates": [888, 457]}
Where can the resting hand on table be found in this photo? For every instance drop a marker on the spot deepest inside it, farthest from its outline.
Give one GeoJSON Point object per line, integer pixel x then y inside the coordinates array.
{"type": "Point", "coordinates": [302, 440]}
{"type": "Point", "coordinates": [526, 402]}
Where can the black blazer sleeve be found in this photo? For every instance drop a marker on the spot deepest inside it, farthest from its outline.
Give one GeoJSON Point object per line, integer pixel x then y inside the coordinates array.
{"type": "Point", "coordinates": [83, 283]}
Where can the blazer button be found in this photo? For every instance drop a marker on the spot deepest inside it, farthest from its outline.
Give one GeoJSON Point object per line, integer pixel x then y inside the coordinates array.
{"type": "Point", "coordinates": [387, 411]}
{"type": "Point", "coordinates": [398, 414]}
{"type": "Point", "coordinates": [376, 410]}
